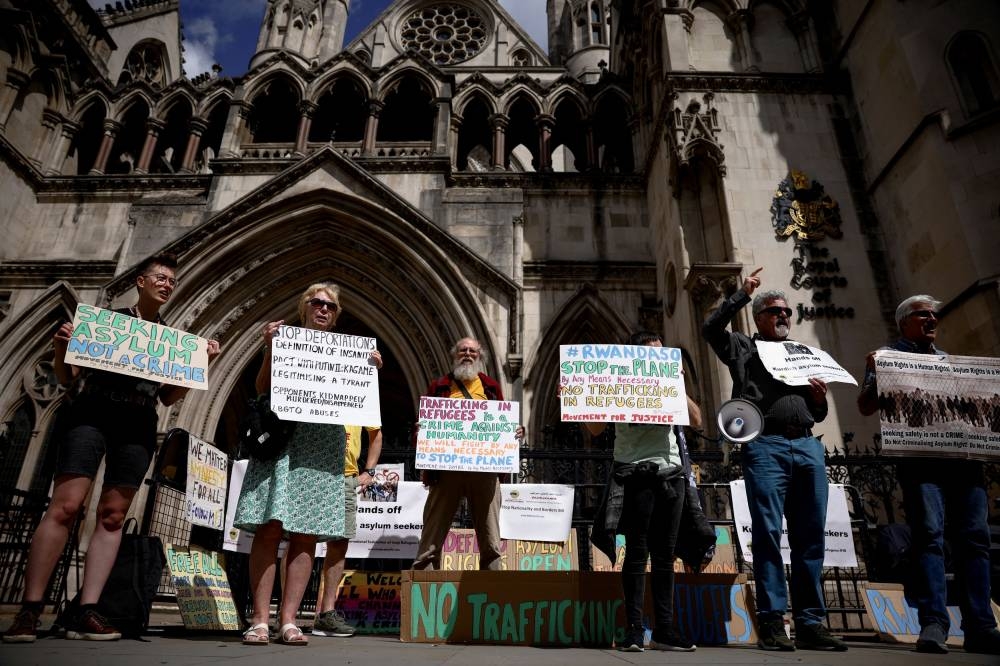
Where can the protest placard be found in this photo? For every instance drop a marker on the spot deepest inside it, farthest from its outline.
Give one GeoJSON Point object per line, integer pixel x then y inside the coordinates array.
{"type": "Point", "coordinates": [369, 601]}
{"type": "Point", "coordinates": [946, 406]}
{"type": "Point", "coordinates": [468, 435]}
{"type": "Point", "coordinates": [324, 377]}
{"type": "Point", "coordinates": [113, 341]}
{"type": "Point", "coordinates": [390, 528]}
{"type": "Point", "coordinates": [623, 383]}
{"type": "Point", "coordinates": [206, 484]}
{"type": "Point", "coordinates": [233, 538]}
{"type": "Point", "coordinates": [460, 552]}
{"type": "Point", "coordinates": [203, 594]}
{"type": "Point", "coordinates": [723, 560]}
{"type": "Point", "coordinates": [896, 621]}
{"type": "Point", "coordinates": [839, 534]}
{"type": "Point", "coordinates": [385, 484]}
{"type": "Point", "coordinates": [794, 363]}
{"type": "Point", "coordinates": [536, 511]}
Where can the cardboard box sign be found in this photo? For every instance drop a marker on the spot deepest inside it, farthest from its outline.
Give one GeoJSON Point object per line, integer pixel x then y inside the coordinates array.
{"type": "Point", "coordinates": [369, 601]}
{"type": "Point", "coordinates": [564, 609]}
{"type": "Point", "coordinates": [460, 552]}
{"type": "Point", "coordinates": [896, 621]}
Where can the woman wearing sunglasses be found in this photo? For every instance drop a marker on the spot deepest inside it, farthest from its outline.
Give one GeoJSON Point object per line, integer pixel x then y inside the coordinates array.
{"type": "Point", "coordinates": [298, 496]}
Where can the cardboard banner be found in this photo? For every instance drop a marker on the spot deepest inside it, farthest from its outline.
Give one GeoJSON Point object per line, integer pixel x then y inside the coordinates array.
{"type": "Point", "coordinates": [468, 435]}
{"type": "Point", "coordinates": [390, 528]}
{"type": "Point", "coordinates": [839, 534]}
{"type": "Point", "coordinates": [576, 608]}
{"type": "Point", "coordinates": [536, 511]}
{"type": "Point", "coordinates": [623, 383]}
{"type": "Point", "coordinates": [723, 560]}
{"type": "Point", "coordinates": [369, 600]}
{"type": "Point", "coordinates": [947, 407]}
{"type": "Point", "coordinates": [206, 484]}
{"type": "Point", "coordinates": [203, 594]}
{"type": "Point", "coordinates": [460, 552]}
{"type": "Point", "coordinates": [116, 342]}
{"type": "Point", "coordinates": [794, 363]}
{"type": "Point", "coordinates": [896, 621]}
{"type": "Point", "coordinates": [324, 377]}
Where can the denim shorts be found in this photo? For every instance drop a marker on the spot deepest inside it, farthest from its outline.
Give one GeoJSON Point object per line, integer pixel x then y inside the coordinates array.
{"type": "Point", "coordinates": [123, 434]}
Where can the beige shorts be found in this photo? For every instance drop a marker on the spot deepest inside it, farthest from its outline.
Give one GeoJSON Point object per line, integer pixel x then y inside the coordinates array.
{"type": "Point", "coordinates": [350, 507]}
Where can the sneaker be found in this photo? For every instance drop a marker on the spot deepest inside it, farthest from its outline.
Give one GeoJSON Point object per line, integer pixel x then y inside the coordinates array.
{"type": "Point", "coordinates": [332, 623]}
{"type": "Point", "coordinates": [92, 626]}
{"type": "Point", "coordinates": [817, 637]}
{"type": "Point", "coordinates": [671, 642]}
{"type": "Point", "coordinates": [982, 642]}
{"type": "Point", "coordinates": [771, 636]}
{"type": "Point", "coordinates": [24, 629]}
{"type": "Point", "coordinates": [932, 639]}
{"type": "Point", "coordinates": [634, 640]}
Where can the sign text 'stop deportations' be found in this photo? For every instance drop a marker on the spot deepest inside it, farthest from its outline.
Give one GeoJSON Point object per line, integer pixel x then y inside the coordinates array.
{"type": "Point", "coordinates": [117, 342]}
{"type": "Point", "coordinates": [324, 377]}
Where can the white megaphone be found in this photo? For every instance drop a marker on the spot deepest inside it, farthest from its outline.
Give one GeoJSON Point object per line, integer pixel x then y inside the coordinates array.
{"type": "Point", "coordinates": [739, 420]}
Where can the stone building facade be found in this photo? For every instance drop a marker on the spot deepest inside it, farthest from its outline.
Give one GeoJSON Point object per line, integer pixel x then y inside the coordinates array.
{"type": "Point", "coordinates": [456, 179]}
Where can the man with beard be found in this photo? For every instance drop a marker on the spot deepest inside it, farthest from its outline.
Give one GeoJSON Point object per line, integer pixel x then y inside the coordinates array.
{"type": "Point", "coordinates": [447, 488]}
{"type": "Point", "coordinates": [784, 470]}
{"type": "Point", "coordinates": [937, 490]}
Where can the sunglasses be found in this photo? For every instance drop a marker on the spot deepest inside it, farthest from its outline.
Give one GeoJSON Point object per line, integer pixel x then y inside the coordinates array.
{"type": "Point", "coordinates": [320, 303]}
{"type": "Point", "coordinates": [777, 310]}
{"type": "Point", "coordinates": [924, 314]}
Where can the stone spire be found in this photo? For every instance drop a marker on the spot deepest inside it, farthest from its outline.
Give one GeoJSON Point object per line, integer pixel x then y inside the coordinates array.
{"type": "Point", "coordinates": [310, 29]}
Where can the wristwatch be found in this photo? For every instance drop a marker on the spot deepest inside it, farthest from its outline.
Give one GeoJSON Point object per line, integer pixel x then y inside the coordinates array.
{"type": "Point", "coordinates": [371, 472]}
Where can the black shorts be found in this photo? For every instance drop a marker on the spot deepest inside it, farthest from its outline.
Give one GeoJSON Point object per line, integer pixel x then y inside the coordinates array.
{"type": "Point", "coordinates": [124, 434]}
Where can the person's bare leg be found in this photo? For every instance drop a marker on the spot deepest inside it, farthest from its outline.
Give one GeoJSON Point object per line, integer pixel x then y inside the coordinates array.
{"type": "Point", "coordinates": [49, 540]}
{"type": "Point", "coordinates": [333, 572]}
{"type": "Point", "coordinates": [263, 563]}
{"type": "Point", "coordinates": [104, 543]}
{"type": "Point", "coordinates": [301, 548]}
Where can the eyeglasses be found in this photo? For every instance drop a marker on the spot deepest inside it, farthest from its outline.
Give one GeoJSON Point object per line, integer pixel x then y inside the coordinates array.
{"type": "Point", "coordinates": [924, 314]}
{"type": "Point", "coordinates": [159, 279]}
{"type": "Point", "coordinates": [471, 351]}
{"type": "Point", "coordinates": [320, 303]}
{"type": "Point", "coordinates": [777, 310]}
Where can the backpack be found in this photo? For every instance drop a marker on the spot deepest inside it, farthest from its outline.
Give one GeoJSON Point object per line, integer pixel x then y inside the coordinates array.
{"type": "Point", "coordinates": [263, 436]}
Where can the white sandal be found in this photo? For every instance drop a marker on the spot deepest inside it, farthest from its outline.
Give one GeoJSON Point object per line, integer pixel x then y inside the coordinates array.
{"type": "Point", "coordinates": [252, 636]}
{"type": "Point", "coordinates": [297, 637]}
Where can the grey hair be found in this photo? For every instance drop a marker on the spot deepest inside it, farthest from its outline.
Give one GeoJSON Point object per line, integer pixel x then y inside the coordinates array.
{"type": "Point", "coordinates": [908, 305]}
{"type": "Point", "coordinates": [761, 299]}
{"type": "Point", "coordinates": [482, 352]}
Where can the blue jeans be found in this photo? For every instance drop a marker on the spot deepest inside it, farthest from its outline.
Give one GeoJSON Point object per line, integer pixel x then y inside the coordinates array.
{"type": "Point", "coordinates": [787, 476]}
{"type": "Point", "coordinates": [954, 493]}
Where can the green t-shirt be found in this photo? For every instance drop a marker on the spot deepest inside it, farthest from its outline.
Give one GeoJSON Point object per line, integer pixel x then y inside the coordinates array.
{"type": "Point", "coordinates": [639, 443]}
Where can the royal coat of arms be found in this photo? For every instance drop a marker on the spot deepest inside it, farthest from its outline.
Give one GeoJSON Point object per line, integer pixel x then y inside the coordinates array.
{"type": "Point", "coordinates": [802, 209]}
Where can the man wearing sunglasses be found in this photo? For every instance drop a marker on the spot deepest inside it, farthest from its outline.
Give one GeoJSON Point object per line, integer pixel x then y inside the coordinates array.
{"type": "Point", "coordinates": [938, 491]}
{"type": "Point", "coordinates": [784, 470]}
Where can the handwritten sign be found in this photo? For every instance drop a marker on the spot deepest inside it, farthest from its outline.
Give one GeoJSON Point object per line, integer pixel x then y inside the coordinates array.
{"type": "Point", "coordinates": [536, 511]}
{"type": "Point", "coordinates": [624, 383]}
{"type": "Point", "coordinates": [369, 600]}
{"type": "Point", "coordinates": [723, 560]}
{"type": "Point", "coordinates": [203, 594]}
{"type": "Point", "coordinates": [794, 363]}
{"type": "Point", "coordinates": [206, 484]}
{"type": "Point", "coordinates": [896, 621]}
{"type": "Point", "coordinates": [945, 406]}
{"type": "Point", "coordinates": [116, 342]}
{"type": "Point", "coordinates": [323, 377]}
{"type": "Point", "coordinates": [839, 540]}
{"type": "Point", "coordinates": [468, 435]}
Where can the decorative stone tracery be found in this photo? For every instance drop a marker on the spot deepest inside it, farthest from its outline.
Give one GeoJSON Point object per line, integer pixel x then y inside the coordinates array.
{"type": "Point", "coordinates": [445, 33]}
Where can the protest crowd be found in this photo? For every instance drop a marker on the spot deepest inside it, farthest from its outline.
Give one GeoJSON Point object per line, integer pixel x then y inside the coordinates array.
{"type": "Point", "coordinates": [306, 483]}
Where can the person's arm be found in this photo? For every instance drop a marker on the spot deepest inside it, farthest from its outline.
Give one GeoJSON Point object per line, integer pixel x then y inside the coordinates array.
{"type": "Point", "coordinates": [65, 372]}
{"type": "Point", "coordinates": [171, 393]}
{"type": "Point", "coordinates": [595, 428]}
{"type": "Point", "coordinates": [374, 451]}
{"type": "Point", "coordinates": [868, 395]}
{"type": "Point", "coordinates": [816, 401]}
{"type": "Point", "coordinates": [263, 381]}
{"type": "Point", "coordinates": [694, 414]}
{"type": "Point", "coordinates": [714, 329]}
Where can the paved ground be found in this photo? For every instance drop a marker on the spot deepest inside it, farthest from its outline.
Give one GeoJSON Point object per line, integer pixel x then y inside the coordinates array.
{"type": "Point", "coordinates": [168, 645]}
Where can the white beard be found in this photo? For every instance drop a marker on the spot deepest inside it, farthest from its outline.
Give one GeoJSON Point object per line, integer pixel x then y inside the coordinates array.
{"type": "Point", "coordinates": [465, 371]}
{"type": "Point", "coordinates": [782, 330]}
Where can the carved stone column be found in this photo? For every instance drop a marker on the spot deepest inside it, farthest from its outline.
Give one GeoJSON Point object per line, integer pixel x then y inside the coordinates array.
{"type": "Point", "coordinates": [375, 107]}
{"type": "Point", "coordinates": [153, 128]}
{"type": "Point", "coordinates": [800, 27]}
{"type": "Point", "coordinates": [16, 80]}
{"type": "Point", "coordinates": [42, 150]}
{"type": "Point", "coordinates": [545, 123]}
{"type": "Point", "coordinates": [111, 129]}
{"type": "Point", "coordinates": [740, 22]}
{"type": "Point", "coordinates": [499, 123]}
{"type": "Point", "coordinates": [307, 108]}
{"type": "Point", "coordinates": [197, 128]}
{"type": "Point", "coordinates": [454, 126]}
{"type": "Point", "coordinates": [591, 146]}
{"type": "Point", "coordinates": [53, 166]}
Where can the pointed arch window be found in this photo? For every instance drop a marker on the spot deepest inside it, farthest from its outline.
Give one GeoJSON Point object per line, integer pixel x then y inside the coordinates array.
{"type": "Point", "coordinates": [597, 24]}
{"type": "Point", "coordinates": [974, 69]}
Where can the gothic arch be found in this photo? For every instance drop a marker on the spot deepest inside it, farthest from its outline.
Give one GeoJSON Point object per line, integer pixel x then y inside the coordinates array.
{"type": "Point", "coordinates": [520, 92]}
{"type": "Point", "coordinates": [468, 95]}
{"type": "Point", "coordinates": [324, 83]}
{"type": "Point", "coordinates": [124, 105]}
{"type": "Point", "coordinates": [262, 80]}
{"type": "Point", "coordinates": [585, 318]}
{"type": "Point", "coordinates": [84, 104]}
{"type": "Point", "coordinates": [170, 99]}
{"type": "Point", "coordinates": [207, 105]}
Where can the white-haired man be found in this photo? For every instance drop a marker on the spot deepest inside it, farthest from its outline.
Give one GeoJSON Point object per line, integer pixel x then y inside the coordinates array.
{"type": "Point", "coordinates": [785, 473]}
{"type": "Point", "coordinates": [934, 490]}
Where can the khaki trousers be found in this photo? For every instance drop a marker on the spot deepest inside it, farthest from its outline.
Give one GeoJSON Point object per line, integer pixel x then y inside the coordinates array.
{"type": "Point", "coordinates": [482, 490]}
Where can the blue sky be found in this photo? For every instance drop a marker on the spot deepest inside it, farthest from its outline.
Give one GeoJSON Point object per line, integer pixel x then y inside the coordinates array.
{"type": "Point", "coordinates": [225, 31]}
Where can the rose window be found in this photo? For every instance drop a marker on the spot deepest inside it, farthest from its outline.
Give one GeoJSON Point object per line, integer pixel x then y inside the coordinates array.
{"type": "Point", "coordinates": [445, 34]}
